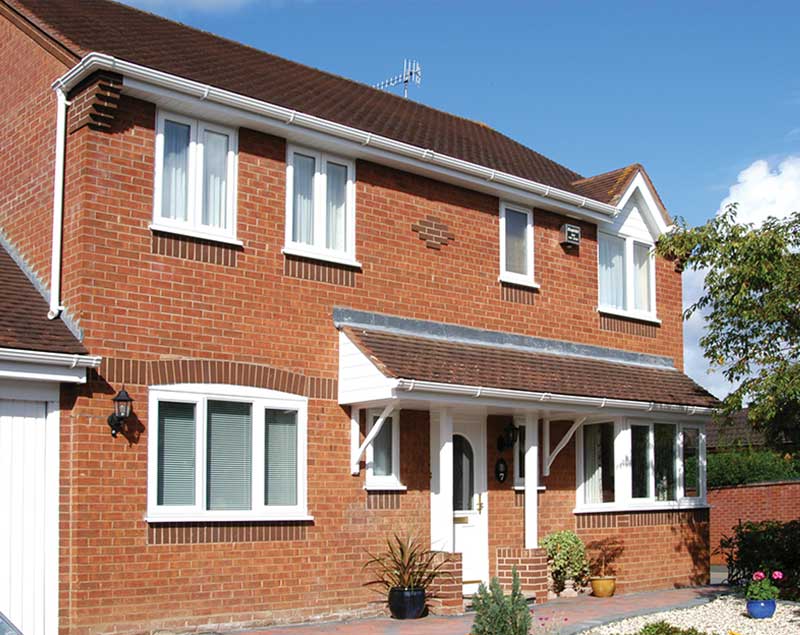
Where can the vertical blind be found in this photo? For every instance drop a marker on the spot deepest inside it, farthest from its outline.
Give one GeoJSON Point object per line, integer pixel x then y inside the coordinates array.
{"type": "Point", "coordinates": [336, 177]}
{"type": "Point", "coordinates": [641, 281]}
{"type": "Point", "coordinates": [382, 449]}
{"type": "Point", "coordinates": [303, 206]}
{"type": "Point", "coordinates": [516, 242]}
{"type": "Point", "coordinates": [229, 455]}
{"type": "Point", "coordinates": [175, 180]}
{"type": "Point", "coordinates": [176, 453]}
{"type": "Point", "coordinates": [612, 271]}
{"type": "Point", "coordinates": [280, 457]}
{"type": "Point", "coordinates": [215, 178]}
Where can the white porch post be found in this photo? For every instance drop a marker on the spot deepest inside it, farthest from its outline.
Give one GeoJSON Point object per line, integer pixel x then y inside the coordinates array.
{"type": "Point", "coordinates": [441, 480]}
{"type": "Point", "coordinates": [531, 423]}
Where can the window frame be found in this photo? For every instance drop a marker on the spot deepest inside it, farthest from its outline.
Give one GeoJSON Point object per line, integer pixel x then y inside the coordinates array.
{"type": "Point", "coordinates": [260, 400]}
{"type": "Point", "coordinates": [630, 310]}
{"type": "Point", "coordinates": [512, 277]}
{"type": "Point", "coordinates": [623, 477]}
{"type": "Point", "coordinates": [386, 482]}
{"type": "Point", "coordinates": [318, 250]}
{"type": "Point", "coordinates": [193, 225]}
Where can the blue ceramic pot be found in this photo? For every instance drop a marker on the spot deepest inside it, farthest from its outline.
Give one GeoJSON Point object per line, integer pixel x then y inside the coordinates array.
{"type": "Point", "coordinates": [760, 609]}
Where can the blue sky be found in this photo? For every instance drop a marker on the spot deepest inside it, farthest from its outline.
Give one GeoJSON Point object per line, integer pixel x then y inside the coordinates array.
{"type": "Point", "coordinates": [698, 92]}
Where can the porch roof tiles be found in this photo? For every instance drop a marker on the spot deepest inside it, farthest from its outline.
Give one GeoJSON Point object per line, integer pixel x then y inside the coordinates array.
{"type": "Point", "coordinates": [426, 359]}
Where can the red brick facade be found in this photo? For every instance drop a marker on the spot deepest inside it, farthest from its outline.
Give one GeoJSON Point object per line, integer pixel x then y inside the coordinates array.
{"type": "Point", "coordinates": [161, 309]}
{"type": "Point", "coordinates": [759, 501]}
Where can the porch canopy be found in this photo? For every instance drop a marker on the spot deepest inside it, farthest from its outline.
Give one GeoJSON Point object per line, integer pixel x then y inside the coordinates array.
{"type": "Point", "coordinates": [389, 363]}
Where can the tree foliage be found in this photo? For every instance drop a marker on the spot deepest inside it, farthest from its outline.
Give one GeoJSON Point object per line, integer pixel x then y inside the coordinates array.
{"type": "Point", "coordinates": [751, 302]}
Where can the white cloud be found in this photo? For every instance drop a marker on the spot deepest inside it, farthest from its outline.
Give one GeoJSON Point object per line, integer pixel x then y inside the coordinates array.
{"type": "Point", "coordinates": [760, 191]}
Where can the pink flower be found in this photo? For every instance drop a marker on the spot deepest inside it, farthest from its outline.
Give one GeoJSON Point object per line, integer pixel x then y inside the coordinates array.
{"type": "Point", "coordinates": [777, 575]}
{"type": "Point", "coordinates": [758, 575]}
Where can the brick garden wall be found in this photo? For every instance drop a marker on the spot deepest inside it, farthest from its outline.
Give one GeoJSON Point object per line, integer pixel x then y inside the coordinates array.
{"type": "Point", "coordinates": [754, 502]}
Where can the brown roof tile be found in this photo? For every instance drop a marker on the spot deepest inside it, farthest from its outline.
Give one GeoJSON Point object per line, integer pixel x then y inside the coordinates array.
{"type": "Point", "coordinates": [426, 359]}
{"type": "Point", "coordinates": [23, 315]}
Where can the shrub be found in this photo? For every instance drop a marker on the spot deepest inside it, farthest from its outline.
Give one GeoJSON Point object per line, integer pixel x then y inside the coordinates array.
{"type": "Point", "coordinates": [751, 466]}
{"type": "Point", "coordinates": [566, 556]}
{"type": "Point", "coordinates": [764, 546]}
{"type": "Point", "coordinates": [663, 628]}
{"type": "Point", "coordinates": [499, 614]}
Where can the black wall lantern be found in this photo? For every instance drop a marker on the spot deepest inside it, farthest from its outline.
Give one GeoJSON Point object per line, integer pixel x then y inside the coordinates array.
{"type": "Point", "coordinates": [507, 438]}
{"type": "Point", "coordinates": [123, 405]}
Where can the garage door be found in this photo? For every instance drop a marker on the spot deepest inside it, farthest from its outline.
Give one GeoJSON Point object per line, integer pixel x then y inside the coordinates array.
{"type": "Point", "coordinates": [29, 516]}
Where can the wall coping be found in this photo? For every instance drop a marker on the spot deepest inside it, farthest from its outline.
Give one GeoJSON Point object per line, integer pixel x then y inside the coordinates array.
{"type": "Point", "coordinates": [761, 484]}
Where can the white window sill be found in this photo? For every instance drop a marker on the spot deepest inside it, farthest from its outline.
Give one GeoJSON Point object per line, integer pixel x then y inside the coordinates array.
{"type": "Point", "coordinates": [232, 517]}
{"type": "Point", "coordinates": [305, 252]}
{"type": "Point", "coordinates": [518, 280]}
{"type": "Point", "coordinates": [389, 485]}
{"type": "Point", "coordinates": [641, 507]}
{"type": "Point", "coordinates": [631, 315]}
{"type": "Point", "coordinates": [195, 233]}
{"type": "Point", "coordinates": [521, 488]}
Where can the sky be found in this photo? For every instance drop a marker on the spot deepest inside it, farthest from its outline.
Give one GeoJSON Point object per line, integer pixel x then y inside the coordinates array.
{"type": "Point", "coordinates": [706, 95]}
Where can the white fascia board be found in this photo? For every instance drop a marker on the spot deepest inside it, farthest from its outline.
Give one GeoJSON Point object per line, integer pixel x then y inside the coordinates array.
{"type": "Point", "coordinates": [655, 220]}
{"type": "Point", "coordinates": [43, 366]}
{"type": "Point", "coordinates": [138, 77]}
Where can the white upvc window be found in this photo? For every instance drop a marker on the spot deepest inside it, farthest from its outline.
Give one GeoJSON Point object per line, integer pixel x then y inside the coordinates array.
{"type": "Point", "coordinates": [320, 206]}
{"type": "Point", "coordinates": [626, 276]}
{"type": "Point", "coordinates": [195, 178]}
{"type": "Point", "coordinates": [629, 463]}
{"type": "Point", "coordinates": [516, 245]}
{"type": "Point", "coordinates": [226, 453]}
{"type": "Point", "coordinates": [383, 454]}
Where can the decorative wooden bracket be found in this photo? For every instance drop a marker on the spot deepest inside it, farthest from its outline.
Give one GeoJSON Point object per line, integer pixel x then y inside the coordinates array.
{"type": "Point", "coordinates": [356, 450]}
{"type": "Point", "coordinates": [549, 457]}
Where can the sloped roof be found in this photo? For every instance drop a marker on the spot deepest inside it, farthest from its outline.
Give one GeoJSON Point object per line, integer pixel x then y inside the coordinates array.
{"type": "Point", "coordinates": [23, 315]}
{"type": "Point", "coordinates": [451, 362]}
{"type": "Point", "coordinates": [84, 26]}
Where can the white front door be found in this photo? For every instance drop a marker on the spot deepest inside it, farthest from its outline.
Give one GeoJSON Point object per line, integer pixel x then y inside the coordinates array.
{"type": "Point", "coordinates": [470, 514]}
{"type": "Point", "coordinates": [29, 437]}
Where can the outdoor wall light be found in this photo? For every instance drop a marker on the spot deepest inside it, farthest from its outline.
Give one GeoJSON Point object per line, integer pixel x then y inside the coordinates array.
{"type": "Point", "coordinates": [508, 437]}
{"type": "Point", "coordinates": [123, 405]}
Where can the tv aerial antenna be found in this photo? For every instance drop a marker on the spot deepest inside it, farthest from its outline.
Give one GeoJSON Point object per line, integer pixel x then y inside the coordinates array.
{"type": "Point", "coordinates": [412, 73]}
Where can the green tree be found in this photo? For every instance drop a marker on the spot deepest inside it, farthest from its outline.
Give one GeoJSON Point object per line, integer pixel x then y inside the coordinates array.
{"type": "Point", "coordinates": [751, 302]}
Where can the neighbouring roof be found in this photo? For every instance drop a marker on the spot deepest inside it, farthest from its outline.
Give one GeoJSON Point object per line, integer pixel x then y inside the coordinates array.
{"type": "Point", "coordinates": [84, 26]}
{"type": "Point", "coordinates": [23, 315]}
{"type": "Point", "coordinates": [404, 356]}
{"type": "Point", "coordinates": [739, 432]}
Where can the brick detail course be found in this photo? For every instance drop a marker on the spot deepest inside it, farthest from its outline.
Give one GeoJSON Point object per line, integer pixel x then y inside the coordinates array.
{"type": "Point", "coordinates": [620, 324]}
{"type": "Point", "coordinates": [191, 248]}
{"type": "Point", "coordinates": [531, 565]}
{"type": "Point", "coordinates": [328, 272]}
{"type": "Point", "coordinates": [94, 102]}
{"type": "Point", "coordinates": [515, 293]}
{"type": "Point", "coordinates": [754, 502]}
{"type": "Point", "coordinates": [384, 500]}
{"type": "Point", "coordinates": [196, 533]}
{"type": "Point", "coordinates": [434, 232]}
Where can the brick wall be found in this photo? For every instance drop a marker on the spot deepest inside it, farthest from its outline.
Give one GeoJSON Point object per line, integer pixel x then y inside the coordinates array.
{"type": "Point", "coordinates": [758, 501]}
{"type": "Point", "coordinates": [531, 565]}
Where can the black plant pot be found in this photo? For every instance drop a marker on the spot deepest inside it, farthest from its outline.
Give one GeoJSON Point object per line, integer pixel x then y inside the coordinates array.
{"type": "Point", "coordinates": [406, 604]}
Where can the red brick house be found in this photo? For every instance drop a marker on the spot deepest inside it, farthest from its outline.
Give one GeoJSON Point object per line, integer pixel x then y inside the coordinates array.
{"type": "Point", "coordinates": [330, 305]}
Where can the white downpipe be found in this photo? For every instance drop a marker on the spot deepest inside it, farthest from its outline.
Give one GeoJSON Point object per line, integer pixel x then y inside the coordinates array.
{"type": "Point", "coordinates": [58, 203]}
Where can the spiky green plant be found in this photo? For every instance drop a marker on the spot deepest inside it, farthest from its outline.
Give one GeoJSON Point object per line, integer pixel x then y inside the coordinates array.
{"type": "Point", "coordinates": [405, 564]}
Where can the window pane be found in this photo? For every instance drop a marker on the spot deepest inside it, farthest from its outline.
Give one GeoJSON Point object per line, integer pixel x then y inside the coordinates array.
{"type": "Point", "coordinates": [665, 461]}
{"type": "Point", "coordinates": [612, 271]}
{"type": "Point", "coordinates": [280, 457]}
{"type": "Point", "coordinates": [598, 463]}
{"type": "Point", "coordinates": [521, 452]}
{"type": "Point", "coordinates": [175, 183]}
{"type": "Point", "coordinates": [641, 280]}
{"type": "Point", "coordinates": [336, 177]}
{"type": "Point", "coordinates": [516, 242]}
{"type": "Point", "coordinates": [382, 449]}
{"type": "Point", "coordinates": [463, 474]}
{"type": "Point", "coordinates": [215, 178]}
{"type": "Point", "coordinates": [176, 453]}
{"type": "Point", "coordinates": [229, 464]}
{"type": "Point", "coordinates": [303, 208]}
{"type": "Point", "coordinates": [640, 461]}
{"type": "Point", "coordinates": [691, 462]}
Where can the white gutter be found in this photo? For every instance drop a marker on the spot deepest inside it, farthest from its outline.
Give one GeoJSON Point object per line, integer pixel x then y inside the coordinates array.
{"type": "Point", "coordinates": [413, 385]}
{"type": "Point", "coordinates": [58, 202]}
{"type": "Point", "coordinates": [99, 61]}
{"type": "Point", "coordinates": [64, 360]}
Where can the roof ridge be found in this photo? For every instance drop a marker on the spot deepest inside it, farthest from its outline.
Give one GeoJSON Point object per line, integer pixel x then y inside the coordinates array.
{"type": "Point", "coordinates": [636, 165]}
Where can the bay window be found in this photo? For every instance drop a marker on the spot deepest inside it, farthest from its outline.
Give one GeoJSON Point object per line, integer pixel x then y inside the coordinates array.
{"type": "Point", "coordinates": [626, 276]}
{"type": "Point", "coordinates": [195, 178]}
{"type": "Point", "coordinates": [320, 206]}
{"type": "Point", "coordinates": [383, 454]}
{"type": "Point", "coordinates": [516, 245]}
{"type": "Point", "coordinates": [226, 453]}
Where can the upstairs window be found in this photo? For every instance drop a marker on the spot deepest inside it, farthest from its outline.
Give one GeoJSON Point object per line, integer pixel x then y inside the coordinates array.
{"type": "Point", "coordinates": [195, 178]}
{"type": "Point", "coordinates": [516, 245]}
{"type": "Point", "coordinates": [626, 276]}
{"type": "Point", "coordinates": [320, 206]}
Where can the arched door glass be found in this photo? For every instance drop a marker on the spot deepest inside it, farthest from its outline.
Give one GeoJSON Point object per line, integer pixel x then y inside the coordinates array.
{"type": "Point", "coordinates": [463, 474]}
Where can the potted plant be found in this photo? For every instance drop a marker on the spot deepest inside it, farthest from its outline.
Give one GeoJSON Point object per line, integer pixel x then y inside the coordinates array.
{"type": "Point", "coordinates": [761, 594]}
{"type": "Point", "coordinates": [566, 560]}
{"type": "Point", "coordinates": [404, 571]}
{"type": "Point", "coordinates": [604, 553]}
